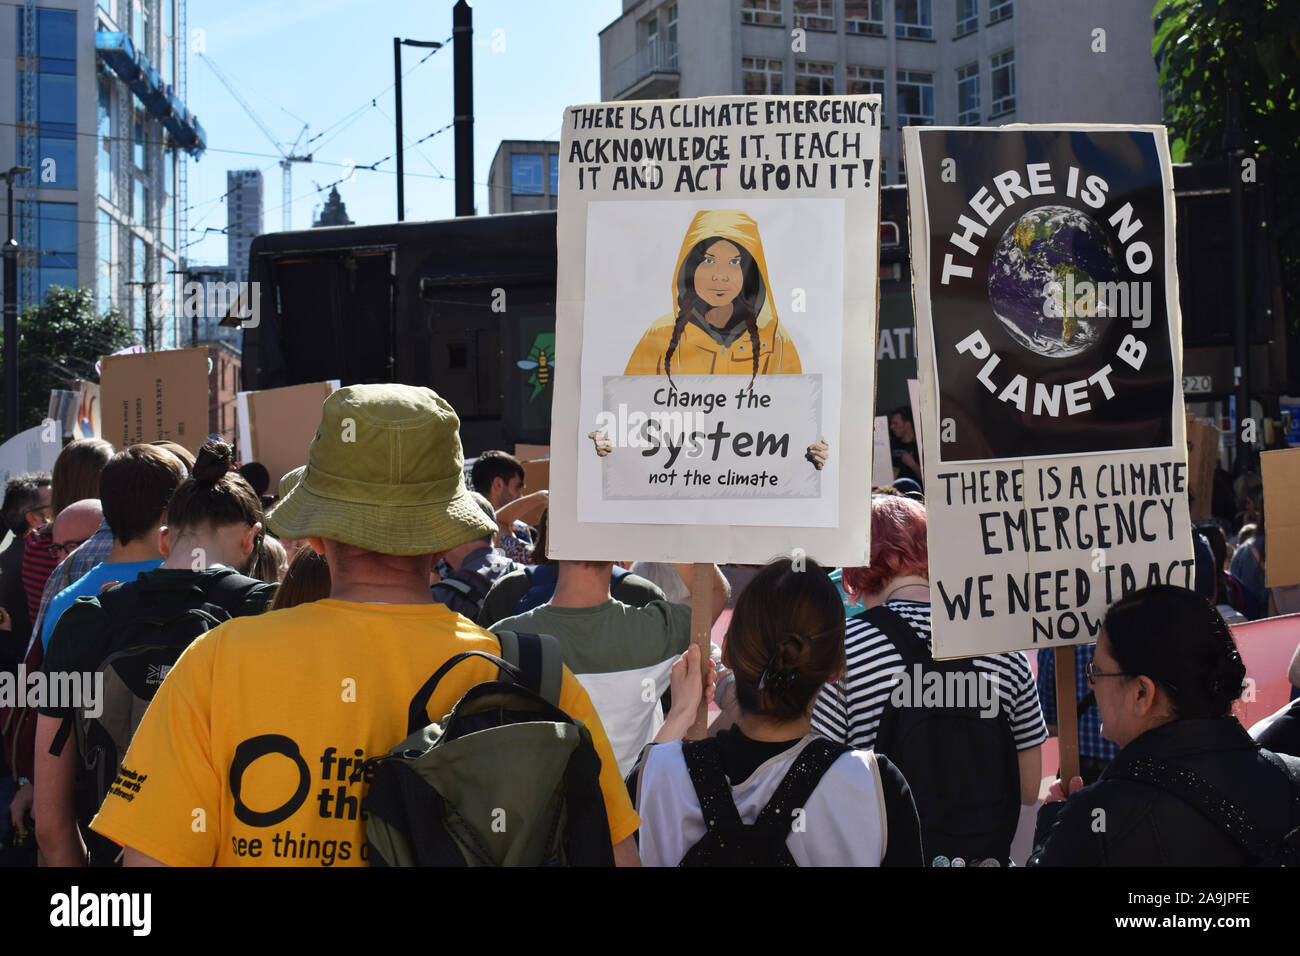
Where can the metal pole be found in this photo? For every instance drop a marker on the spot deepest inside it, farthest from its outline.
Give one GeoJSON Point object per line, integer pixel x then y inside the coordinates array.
{"type": "Point", "coordinates": [462, 18]}
{"type": "Point", "coordinates": [11, 307]}
{"type": "Point", "coordinates": [1241, 342]}
{"type": "Point", "coordinates": [397, 83]}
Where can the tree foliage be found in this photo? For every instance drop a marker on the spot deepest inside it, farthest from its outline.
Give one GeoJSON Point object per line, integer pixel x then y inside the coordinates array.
{"type": "Point", "coordinates": [59, 341]}
{"type": "Point", "coordinates": [1206, 49]}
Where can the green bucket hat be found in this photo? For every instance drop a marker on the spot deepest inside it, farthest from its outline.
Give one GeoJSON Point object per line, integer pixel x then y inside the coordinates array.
{"type": "Point", "coordinates": [385, 472]}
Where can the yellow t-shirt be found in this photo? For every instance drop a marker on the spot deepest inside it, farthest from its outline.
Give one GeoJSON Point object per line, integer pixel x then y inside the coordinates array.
{"type": "Point", "coordinates": [249, 753]}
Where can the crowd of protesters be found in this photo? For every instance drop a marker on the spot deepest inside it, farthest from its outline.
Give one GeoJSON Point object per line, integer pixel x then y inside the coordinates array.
{"type": "Point", "coordinates": [303, 622]}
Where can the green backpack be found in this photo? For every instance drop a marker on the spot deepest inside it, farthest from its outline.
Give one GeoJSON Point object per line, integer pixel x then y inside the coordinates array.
{"type": "Point", "coordinates": [505, 779]}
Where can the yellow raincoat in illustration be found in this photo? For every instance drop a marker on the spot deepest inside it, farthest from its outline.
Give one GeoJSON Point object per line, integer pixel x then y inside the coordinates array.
{"type": "Point", "coordinates": [722, 302]}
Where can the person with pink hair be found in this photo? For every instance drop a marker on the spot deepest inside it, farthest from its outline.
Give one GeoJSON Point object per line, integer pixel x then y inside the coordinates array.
{"type": "Point", "coordinates": [967, 735]}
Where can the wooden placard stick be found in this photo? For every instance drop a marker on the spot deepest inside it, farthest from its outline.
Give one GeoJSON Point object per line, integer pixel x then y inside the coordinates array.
{"type": "Point", "coordinates": [701, 631]}
{"type": "Point", "coordinates": [1067, 715]}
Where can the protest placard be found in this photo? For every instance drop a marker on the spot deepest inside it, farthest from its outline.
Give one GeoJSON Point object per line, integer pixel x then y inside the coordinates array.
{"type": "Point", "coordinates": [88, 422]}
{"type": "Point", "coordinates": [715, 316]}
{"type": "Point", "coordinates": [914, 397]}
{"type": "Point", "coordinates": [537, 474]}
{"type": "Point", "coordinates": [63, 408]}
{"type": "Point", "coordinates": [1281, 473]}
{"type": "Point", "coordinates": [524, 452]}
{"type": "Point", "coordinates": [34, 450]}
{"type": "Point", "coordinates": [1049, 358]}
{"type": "Point", "coordinates": [151, 396]}
{"type": "Point", "coordinates": [882, 471]}
{"type": "Point", "coordinates": [277, 425]}
{"type": "Point", "coordinates": [1202, 457]}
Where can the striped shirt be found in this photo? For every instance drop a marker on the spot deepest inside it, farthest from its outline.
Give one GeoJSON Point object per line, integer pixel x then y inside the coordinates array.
{"type": "Point", "coordinates": [91, 552]}
{"type": "Point", "coordinates": [38, 564]}
{"type": "Point", "coordinates": [849, 711]}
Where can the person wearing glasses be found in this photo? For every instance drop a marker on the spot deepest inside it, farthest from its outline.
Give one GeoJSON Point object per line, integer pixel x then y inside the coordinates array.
{"type": "Point", "coordinates": [1189, 786]}
{"type": "Point", "coordinates": [26, 507]}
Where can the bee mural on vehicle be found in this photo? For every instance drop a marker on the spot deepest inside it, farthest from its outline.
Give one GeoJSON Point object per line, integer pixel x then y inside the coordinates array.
{"type": "Point", "coordinates": [541, 362]}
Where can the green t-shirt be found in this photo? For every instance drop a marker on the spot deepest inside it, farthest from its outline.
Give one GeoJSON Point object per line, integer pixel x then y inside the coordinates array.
{"type": "Point", "coordinates": [610, 637]}
{"type": "Point", "coordinates": [622, 656]}
{"type": "Point", "coordinates": [506, 591]}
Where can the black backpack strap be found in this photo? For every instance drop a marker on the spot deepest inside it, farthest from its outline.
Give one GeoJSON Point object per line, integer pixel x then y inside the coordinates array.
{"type": "Point", "coordinates": [61, 736]}
{"type": "Point", "coordinates": [461, 587]}
{"type": "Point", "coordinates": [1206, 799]}
{"type": "Point", "coordinates": [540, 660]}
{"type": "Point", "coordinates": [906, 641]}
{"type": "Point", "coordinates": [704, 763]}
{"type": "Point", "coordinates": [417, 717]}
{"type": "Point", "coordinates": [797, 787]}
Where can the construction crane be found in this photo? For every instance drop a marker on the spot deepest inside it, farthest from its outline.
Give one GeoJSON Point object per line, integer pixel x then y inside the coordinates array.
{"type": "Point", "coordinates": [287, 156]}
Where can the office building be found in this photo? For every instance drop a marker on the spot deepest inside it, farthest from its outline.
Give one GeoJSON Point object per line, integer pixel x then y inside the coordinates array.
{"type": "Point", "coordinates": [243, 215]}
{"type": "Point", "coordinates": [92, 100]}
{"type": "Point", "coordinates": [935, 62]}
{"type": "Point", "coordinates": [525, 175]}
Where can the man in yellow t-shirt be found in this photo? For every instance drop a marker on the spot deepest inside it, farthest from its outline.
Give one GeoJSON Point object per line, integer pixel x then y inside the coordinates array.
{"type": "Point", "coordinates": [252, 751]}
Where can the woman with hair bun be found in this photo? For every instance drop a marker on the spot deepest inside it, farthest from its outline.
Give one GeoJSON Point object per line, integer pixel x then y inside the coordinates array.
{"type": "Point", "coordinates": [773, 791]}
{"type": "Point", "coordinates": [1189, 786]}
{"type": "Point", "coordinates": [212, 524]}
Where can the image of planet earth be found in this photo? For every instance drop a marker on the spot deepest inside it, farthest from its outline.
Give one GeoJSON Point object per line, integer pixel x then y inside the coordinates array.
{"type": "Point", "coordinates": [1050, 244]}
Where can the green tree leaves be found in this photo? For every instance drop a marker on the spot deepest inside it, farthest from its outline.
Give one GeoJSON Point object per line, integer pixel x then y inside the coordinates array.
{"type": "Point", "coordinates": [59, 341]}
{"type": "Point", "coordinates": [1206, 49]}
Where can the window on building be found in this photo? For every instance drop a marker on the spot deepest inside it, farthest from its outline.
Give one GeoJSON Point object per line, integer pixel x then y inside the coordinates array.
{"type": "Point", "coordinates": [670, 28]}
{"type": "Point", "coordinates": [968, 95]}
{"type": "Point", "coordinates": [166, 54]}
{"type": "Point", "coordinates": [139, 292]}
{"type": "Point", "coordinates": [106, 260]}
{"type": "Point", "coordinates": [56, 102]}
{"type": "Point", "coordinates": [56, 41]}
{"type": "Point", "coordinates": [526, 174]}
{"type": "Point", "coordinates": [57, 233]}
{"type": "Point", "coordinates": [815, 79]}
{"type": "Point", "coordinates": [761, 11]}
{"type": "Point", "coordinates": [761, 76]}
{"type": "Point", "coordinates": [866, 79]}
{"type": "Point", "coordinates": [555, 174]}
{"type": "Point", "coordinates": [1002, 81]}
{"type": "Point", "coordinates": [865, 16]}
{"type": "Point", "coordinates": [915, 98]}
{"type": "Point", "coordinates": [104, 139]}
{"type": "Point", "coordinates": [56, 162]}
{"type": "Point", "coordinates": [137, 149]}
{"type": "Point", "coordinates": [56, 239]}
{"type": "Point", "coordinates": [913, 20]}
{"type": "Point", "coordinates": [902, 170]}
{"type": "Point", "coordinates": [140, 27]}
{"type": "Point", "coordinates": [814, 14]}
{"type": "Point", "coordinates": [968, 16]}
{"type": "Point", "coordinates": [999, 10]}
{"type": "Point", "coordinates": [168, 199]}
{"type": "Point", "coordinates": [55, 94]}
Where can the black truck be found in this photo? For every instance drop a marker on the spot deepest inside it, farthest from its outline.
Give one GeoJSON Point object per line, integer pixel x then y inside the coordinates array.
{"type": "Point", "coordinates": [467, 307]}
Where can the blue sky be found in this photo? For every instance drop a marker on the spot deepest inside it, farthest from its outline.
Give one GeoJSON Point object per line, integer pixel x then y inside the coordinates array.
{"type": "Point", "coordinates": [322, 61]}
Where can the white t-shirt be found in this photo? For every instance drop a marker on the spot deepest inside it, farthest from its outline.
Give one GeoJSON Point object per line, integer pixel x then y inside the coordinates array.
{"type": "Point", "coordinates": [843, 823]}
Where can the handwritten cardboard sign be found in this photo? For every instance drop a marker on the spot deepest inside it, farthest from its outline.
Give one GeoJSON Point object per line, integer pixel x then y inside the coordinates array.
{"type": "Point", "coordinates": [151, 396]}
